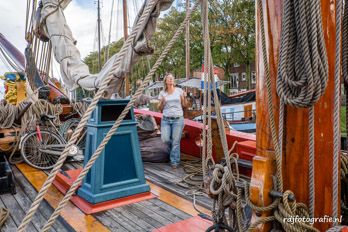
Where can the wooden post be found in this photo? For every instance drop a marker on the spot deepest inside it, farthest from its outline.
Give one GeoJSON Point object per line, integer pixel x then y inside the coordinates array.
{"type": "Point", "coordinates": [187, 45]}
{"type": "Point", "coordinates": [295, 146]}
{"type": "Point", "coordinates": [125, 35]}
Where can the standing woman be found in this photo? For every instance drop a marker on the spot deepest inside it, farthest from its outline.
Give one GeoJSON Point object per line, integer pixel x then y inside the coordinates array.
{"type": "Point", "coordinates": [172, 100]}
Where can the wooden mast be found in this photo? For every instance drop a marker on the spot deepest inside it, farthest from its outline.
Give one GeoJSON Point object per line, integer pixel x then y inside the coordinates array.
{"type": "Point", "coordinates": [187, 44]}
{"type": "Point", "coordinates": [125, 35]}
{"type": "Point", "coordinates": [295, 145]}
{"type": "Point", "coordinates": [99, 36]}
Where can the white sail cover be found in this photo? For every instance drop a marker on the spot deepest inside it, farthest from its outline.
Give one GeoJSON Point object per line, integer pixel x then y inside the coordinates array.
{"type": "Point", "coordinates": [76, 73]}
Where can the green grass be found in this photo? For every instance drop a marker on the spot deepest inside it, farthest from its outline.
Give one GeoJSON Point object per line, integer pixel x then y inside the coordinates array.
{"type": "Point", "coordinates": [343, 121]}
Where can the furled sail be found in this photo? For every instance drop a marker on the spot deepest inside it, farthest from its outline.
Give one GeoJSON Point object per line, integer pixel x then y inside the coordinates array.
{"type": "Point", "coordinates": [76, 73]}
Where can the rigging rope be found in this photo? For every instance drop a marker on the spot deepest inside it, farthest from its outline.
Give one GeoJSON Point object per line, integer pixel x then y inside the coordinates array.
{"type": "Point", "coordinates": [336, 129]}
{"type": "Point", "coordinates": [149, 8]}
{"type": "Point", "coordinates": [302, 68]}
{"type": "Point", "coordinates": [84, 119]}
{"type": "Point", "coordinates": [4, 214]}
{"type": "Point", "coordinates": [222, 183]}
{"type": "Point", "coordinates": [113, 129]}
{"type": "Point", "coordinates": [8, 114]}
{"type": "Point", "coordinates": [287, 206]}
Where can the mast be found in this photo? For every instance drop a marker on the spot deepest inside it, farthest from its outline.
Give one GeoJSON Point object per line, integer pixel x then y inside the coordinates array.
{"type": "Point", "coordinates": [125, 20]}
{"type": "Point", "coordinates": [125, 35]}
{"type": "Point", "coordinates": [295, 143]}
{"type": "Point", "coordinates": [187, 45]}
{"type": "Point", "coordinates": [99, 29]}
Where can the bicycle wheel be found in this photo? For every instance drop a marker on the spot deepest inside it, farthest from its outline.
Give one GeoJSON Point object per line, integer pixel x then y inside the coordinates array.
{"type": "Point", "coordinates": [68, 127]}
{"type": "Point", "coordinates": [43, 151]}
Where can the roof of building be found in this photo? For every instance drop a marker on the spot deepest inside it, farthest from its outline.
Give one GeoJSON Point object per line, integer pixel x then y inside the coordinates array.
{"type": "Point", "coordinates": [159, 84]}
{"type": "Point", "coordinates": [196, 83]}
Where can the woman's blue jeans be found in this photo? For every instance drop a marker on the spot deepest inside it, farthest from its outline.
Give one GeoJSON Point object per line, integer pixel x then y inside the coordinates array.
{"type": "Point", "coordinates": [171, 130]}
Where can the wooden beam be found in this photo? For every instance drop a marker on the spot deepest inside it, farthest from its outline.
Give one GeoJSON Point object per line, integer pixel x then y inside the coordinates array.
{"type": "Point", "coordinates": [295, 146]}
{"type": "Point", "coordinates": [187, 42]}
{"type": "Point", "coordinates": [127, 84]}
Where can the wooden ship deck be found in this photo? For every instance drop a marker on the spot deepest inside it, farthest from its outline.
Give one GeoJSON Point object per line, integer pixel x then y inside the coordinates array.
{"type": "Point", "coordinates": [170, 204]}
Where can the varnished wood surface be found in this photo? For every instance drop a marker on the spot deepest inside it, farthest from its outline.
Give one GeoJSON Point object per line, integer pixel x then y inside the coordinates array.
{"type": "Point", "coordinates": [19, 203]}
{"type": "Point", "coordinates": [141, 216]}
{"type": "Point", "coordinates": [163, 182]}
{"type": "Point", "coordinates": [295, 159]}
{"type": "Point", "coordinates": [72, 215]}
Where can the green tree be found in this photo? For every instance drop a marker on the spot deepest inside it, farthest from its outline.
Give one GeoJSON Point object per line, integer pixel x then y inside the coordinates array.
{"type": "Point", "coordinates": [232, 27]}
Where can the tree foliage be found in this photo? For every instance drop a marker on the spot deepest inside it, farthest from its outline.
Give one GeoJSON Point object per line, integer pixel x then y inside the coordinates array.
{"type": "Point", "coordinates": [232, 31]}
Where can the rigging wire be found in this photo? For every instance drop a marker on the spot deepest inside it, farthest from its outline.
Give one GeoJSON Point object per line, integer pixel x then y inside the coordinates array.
{"type": "Point", "coordinates": [107, 50]}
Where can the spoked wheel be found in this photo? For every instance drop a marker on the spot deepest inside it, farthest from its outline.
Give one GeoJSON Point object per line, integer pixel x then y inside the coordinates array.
{"type": "Point", "coordinates": [68, 127]}
{"type": "Point", "coordinates": [42, 150]}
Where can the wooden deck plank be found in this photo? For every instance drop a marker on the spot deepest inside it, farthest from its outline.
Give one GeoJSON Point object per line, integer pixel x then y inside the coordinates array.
{"type": "Point", "coordinates": [125, 217]}
{"type": "Point", "coordinates": [164, 176]}
{"type": "Point", "coordinates": [123, 220]}
{"type": "Point", "coordinates": [203, 201]}
{"type": "Point", "coordinates": [71, 214]}
{"type": "Point", "coordinates": [16, 211]}
{"type": "Point", "coordinates": [169, 213]}
{"type": "Point", "coordinates": [45, 209]}
{"type": "Point", "coordinates": [22, 198]}
{"type": "Point", "coordinates": [149, 216]}
{"type": "Point", "coordinates": [179, 213]}
{"type": "Point", "coordinates": [109, 222]}
{"type": "Point", "coordinates": [133, 215]}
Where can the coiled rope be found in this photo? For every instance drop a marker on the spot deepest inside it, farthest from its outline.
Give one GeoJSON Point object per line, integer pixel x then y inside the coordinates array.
{"type": "Point", "coordinates": [33, 115]}
{"type": "Point", "coordinates": [284, 208]}
{"type": "Point", "coordinates": [302, 68]}
{"type": "Point", "coordinates": [220, 180]}
{"type": "Point", "coordinates": [8, 114]}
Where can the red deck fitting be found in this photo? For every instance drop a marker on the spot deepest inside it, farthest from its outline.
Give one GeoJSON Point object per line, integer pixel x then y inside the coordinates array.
{"type": "Point", "coordinates": [194, 224]}
{"type": "Point", "coordinates": [64, 181]}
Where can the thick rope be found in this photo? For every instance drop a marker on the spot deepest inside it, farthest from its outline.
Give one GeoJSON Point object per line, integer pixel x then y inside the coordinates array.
{"type": "Point", "coordinates": [8, 114]}
{"type": "Point", "coordinates": [345, 61]}
{"type": "Point", "coordinates": [270, 102]}
{"type": "Point", "coordinates": [33, 115]}
{"type": "Point", "coordinates": [337, 139]}
{"type": "Point", "coordinates": [282, 207]}
{"type": "Point", "coordinates": [223, 181]}
{"type": "Point", "coordinates": [4, 214]}
{"type": "Point", "coordinates": [113, 129]}
{"type": "Point", "coordinates": [344, 181]}
{"type": "Point", "coordinates": [302, 68]}
{"type": "Point", "coordinates": [104, 85]}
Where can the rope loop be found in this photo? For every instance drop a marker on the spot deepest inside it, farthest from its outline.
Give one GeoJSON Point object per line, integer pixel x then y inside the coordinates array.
{"type": "Point", "coordinates": [303, 63]}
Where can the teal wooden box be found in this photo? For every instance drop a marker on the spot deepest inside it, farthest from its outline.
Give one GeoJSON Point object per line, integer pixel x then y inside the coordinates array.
{"type": "Point", "coordinates": [118, 172]}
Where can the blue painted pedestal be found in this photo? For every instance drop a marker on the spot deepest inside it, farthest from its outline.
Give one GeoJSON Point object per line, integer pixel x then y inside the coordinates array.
{"type": "Point", "coordinates": [118, 172]}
